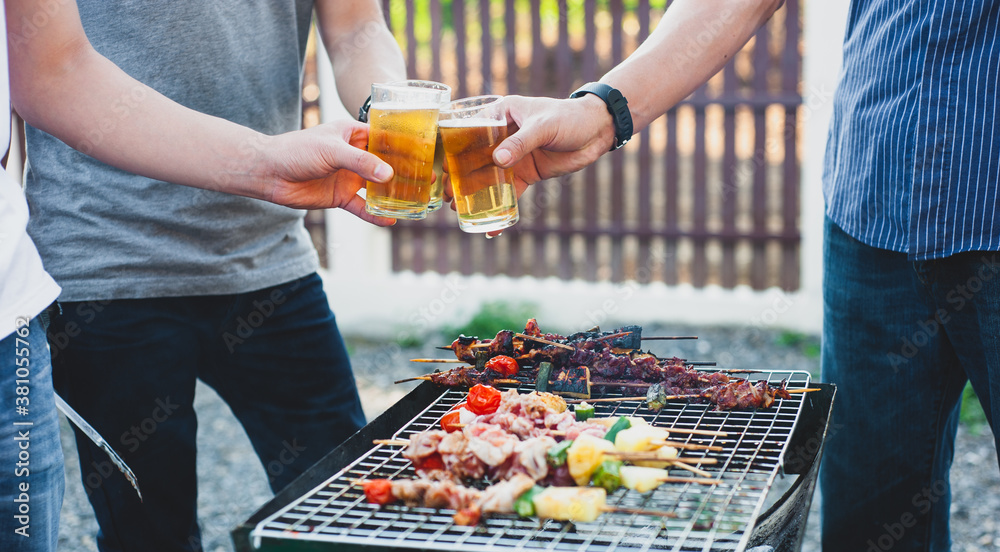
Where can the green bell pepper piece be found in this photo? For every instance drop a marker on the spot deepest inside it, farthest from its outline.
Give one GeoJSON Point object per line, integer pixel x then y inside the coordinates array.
{"type": "Point", "coordinates": [524, 506]}
{"type": "Point", "coordinates": [608, 475]}
{"type": "Point", "coordinates": [621, 423]}
{"type": "Point", "coordinates": [556, 456]}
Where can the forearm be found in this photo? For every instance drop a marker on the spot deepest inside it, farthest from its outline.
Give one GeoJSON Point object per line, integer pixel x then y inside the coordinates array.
{"type": "Point", "coordinates": [361, 49]}
{"type": "Point", "coordinates": [95, 107]}
{"type": "Point", "coordinates": [692, 42]}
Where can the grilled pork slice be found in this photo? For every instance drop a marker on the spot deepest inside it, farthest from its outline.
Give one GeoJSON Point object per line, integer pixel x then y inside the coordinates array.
{"type": "Point", "coordinates": [500, 497]}
{"type": "Point", "coordinates": [490, 443]}
{"type": "Point", "coordinates": [423, 444]}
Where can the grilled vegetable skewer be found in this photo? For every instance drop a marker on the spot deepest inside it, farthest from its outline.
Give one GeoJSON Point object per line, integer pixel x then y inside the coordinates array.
{"type": "Point", "coordinates": [578, 504]}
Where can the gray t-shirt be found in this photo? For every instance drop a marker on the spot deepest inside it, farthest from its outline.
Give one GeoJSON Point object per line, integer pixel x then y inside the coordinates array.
{"type": "Point", "coordinates": [107, 234]}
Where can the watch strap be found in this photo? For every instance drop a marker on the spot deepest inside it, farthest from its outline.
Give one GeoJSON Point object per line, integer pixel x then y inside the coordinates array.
{"type": "Point", "coordinates": [617, 107]}
{"type": "Point", "coordinates": [363, 112]}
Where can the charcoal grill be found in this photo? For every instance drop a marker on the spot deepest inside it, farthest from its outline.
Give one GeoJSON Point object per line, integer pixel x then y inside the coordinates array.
{"type": "Point", "coordinates": [320, 511]}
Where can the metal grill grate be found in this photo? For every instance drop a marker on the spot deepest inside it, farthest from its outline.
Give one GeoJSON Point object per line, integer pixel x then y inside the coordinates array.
{"type": "Point", "coordinates": [718, 517]}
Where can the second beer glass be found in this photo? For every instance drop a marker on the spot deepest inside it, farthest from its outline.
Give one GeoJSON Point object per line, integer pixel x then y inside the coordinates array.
{"type": "Point", "coordinates": [484, 193]}
{"type": "Point", "coordinates": [403, 129]}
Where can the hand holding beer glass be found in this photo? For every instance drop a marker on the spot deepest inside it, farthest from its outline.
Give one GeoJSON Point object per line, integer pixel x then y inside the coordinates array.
{"type": "Point", "coordinates": [403, 121]}
{"type": "Point", "coordinates": [484, 193]}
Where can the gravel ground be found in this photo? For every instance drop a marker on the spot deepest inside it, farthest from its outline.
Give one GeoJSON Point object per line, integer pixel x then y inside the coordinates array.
{"type": "Point", "coordinates": [233, 484]}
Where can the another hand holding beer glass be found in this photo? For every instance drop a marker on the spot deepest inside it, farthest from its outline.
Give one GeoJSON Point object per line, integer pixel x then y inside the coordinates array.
{"type": "Point", "coordinates": [404, 119]}
{"type": "Point", "coordinates": [484, 193]}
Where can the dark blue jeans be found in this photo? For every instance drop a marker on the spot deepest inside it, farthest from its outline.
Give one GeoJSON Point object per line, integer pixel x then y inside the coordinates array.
{"type": "Point", "coordinates": [900, 340]}
{"type": "Point", "coordinates": [32, 480]}
{"type": "Point", "coordinates": [129, 367]}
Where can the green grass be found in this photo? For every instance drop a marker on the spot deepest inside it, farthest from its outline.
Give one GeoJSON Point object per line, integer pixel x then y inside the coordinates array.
{"type": "Point", "coordinates": [492, 317]}
{"type": "Point", "coordinates": [972, 415]}
{"type": "Point", "coordinates": [808, 345]}
{"type": "Point", "coordinates": [407, 341]}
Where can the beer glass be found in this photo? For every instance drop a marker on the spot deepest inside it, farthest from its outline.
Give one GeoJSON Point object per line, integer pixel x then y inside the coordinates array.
{"type": "Point", "coordinates": [484, 193]}
{"type": "Point", "coordinates": [403, 129]}
{"type": "Point", "coordinates": [437, 189]}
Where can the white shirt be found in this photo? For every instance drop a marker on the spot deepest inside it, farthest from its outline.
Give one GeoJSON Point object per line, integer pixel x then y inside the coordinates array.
{"type": "Point", "coordinates": [25, 288]}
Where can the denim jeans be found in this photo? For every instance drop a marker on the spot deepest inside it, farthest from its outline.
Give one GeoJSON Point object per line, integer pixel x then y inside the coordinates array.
{"type": "Point", "coordinates": [130, 366]}
{"type": "Point", "coordinates": [31, 458]}
{"type": "Point", "coordinates": [900, 340]}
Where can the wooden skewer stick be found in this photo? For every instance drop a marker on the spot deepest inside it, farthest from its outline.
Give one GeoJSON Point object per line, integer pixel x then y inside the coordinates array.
{"type": "Point", "coordinates": [654, 457]}
{"type": "Point", "coordinates": [404, 380]}
{"type": "Point", "coordinates": [613, 509]}
{"type": "Point", "coordinates": [692, 469]}
{"type": "Point", "coordinates": [620, 383]}
{"type": "Point", "coordinates": [428, 378]}
{"type": "Point", "coordinates": [685, 431]}
{"type": "Point", "coordinates": [668, 337]}
{"type": "Point", "coordinates": [698, 480]}
{"type": "Point", "coordinates": [606, 399]}
{"type": "Point", "coordinates": [808, 390]}
{"type": "Point", "coordinates": [613, 336]}
{"type": "Point", "coordinates": [546, 341]}
{"type": "Point", "coordinates": [480, 345]}
{"type": "Point", "coordinates": [622, 399]}
{"type": "Point", "coordinates": [688, 446]}
{"type": "Point", "coordinates": [694, 460]}
{"type": "Point", "coordinates": [439, 360]}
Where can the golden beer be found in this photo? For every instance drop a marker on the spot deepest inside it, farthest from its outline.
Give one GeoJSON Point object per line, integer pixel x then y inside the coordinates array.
{"type": "Point", "coordinates": [484, 193]}
{"type": "Point", "coordinates": [437, 188]}
{"type": "Point", "coordinates": [403, 138]}
{"type": "Point", "coordinates": [402, 132]}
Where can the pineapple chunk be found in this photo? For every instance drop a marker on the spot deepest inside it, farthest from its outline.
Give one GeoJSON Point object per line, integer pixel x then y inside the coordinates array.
{"type": "Point", "coordinates": [570, 503]}
{"type": "Point", "coordinates": [639, 438]}
{"type": "Point", "coordinates": [606, 422]}
{"type": "Point", "coordinates": [585, 454]}
{"type": "Point", "coordinates": [666, 452]}
{"type": "Point", "coordinates": [642, 479]}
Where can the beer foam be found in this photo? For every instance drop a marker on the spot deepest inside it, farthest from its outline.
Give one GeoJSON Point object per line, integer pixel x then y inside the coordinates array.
{"type": "Point", "coordinates": [471, 123]}
{"type": "Point", "coordinates": [405, 106]}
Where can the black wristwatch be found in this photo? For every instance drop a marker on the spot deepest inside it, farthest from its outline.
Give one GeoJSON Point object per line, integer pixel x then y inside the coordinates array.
{"type": "Point", "coordinates": [617, 107]}
{"type": "Point", "coordinates": [363, 112]}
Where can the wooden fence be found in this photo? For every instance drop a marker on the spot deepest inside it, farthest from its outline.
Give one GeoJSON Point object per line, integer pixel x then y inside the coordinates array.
{"type": "Point", "coordinates": [708, 194]}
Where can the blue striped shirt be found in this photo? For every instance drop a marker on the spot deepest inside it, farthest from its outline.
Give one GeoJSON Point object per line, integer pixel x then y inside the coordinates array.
{"type": "Point", "coordinates": [913, 157]}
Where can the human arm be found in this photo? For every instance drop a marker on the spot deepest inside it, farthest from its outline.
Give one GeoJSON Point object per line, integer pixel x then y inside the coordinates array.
{"type": "Point", "coordinates": [692, 42]}
{"type": "Point", "coordinates": [61, 85]}
{"type": "Point", "coordinates": [361, 48]}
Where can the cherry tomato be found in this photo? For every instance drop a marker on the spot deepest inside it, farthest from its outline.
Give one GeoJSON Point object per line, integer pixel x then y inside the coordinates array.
{"type": "Point", "coordinates": [378, 491]}
{"type": "Point", "coordinates": [432, 462]}
{"type": "Point", "coordinates": [450, 421]}
{"type": "Point", "coordinates": [483, 399]}
{"type": "Point", "coordinates": [503, 364]}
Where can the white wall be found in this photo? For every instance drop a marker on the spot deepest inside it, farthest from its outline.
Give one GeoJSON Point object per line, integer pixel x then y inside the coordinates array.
{"type": "Point", "coordinates": [370, 299]}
